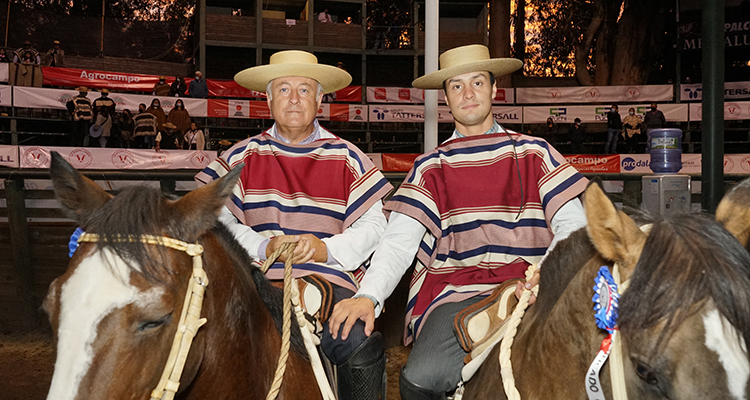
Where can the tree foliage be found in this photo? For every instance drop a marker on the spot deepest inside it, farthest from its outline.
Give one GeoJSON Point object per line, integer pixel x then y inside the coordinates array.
{"type": "Point", "coordinates": [601, 42]}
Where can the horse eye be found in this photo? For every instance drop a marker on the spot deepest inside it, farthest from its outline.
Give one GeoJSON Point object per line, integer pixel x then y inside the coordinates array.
{"type": "Point", "coordinates": [645, 373]}
{"type": "Point", "coordinates": [147, 325]}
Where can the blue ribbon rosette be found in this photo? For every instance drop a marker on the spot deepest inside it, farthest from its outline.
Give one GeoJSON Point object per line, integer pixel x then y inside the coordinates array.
{"type": "Point", "coordinates": [73, 243]}
{"type": "Point", "coordinates": [606, 300]}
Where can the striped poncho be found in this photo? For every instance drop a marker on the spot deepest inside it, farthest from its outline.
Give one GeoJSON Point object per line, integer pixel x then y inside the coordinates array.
{"type": "Point", "coordinates": [319, 188]}
{"type": "Point", "coordinates": [483, 226]}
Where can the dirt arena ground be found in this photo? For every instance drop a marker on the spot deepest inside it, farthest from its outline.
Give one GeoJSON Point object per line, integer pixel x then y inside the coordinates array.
{"type": "Point", "coordinates": [27, 361]}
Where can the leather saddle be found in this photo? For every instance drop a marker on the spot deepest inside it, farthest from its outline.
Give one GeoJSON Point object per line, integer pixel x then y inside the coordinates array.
{"type": "Point", "coordinates": [480, 324]}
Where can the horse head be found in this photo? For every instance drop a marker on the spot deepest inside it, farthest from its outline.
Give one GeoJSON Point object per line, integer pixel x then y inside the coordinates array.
{"type": "Point", "coordinates": [115, 310]}
{"type": "Point", "coordinates": [685, 317]}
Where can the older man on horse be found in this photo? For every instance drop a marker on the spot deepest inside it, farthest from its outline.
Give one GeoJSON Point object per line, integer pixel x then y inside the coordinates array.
{"type": "Point", "coordinates": [303, 184]}
{"type": "Point", "coordinates": [476, 211]}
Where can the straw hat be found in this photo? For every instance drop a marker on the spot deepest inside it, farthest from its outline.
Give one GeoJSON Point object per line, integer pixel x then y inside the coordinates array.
{"type": "Point", "coordinates": [95, 131]}
{"type": "Point", "coordinates": [170, 125]}
{"type": "Point", "coordinates": [55, 42]}
{"type": "Point", "coordinates": [105, 90]}
{"type": "Point", "coordinates": [294, 63]}
{"type": "Point", "coordinates": [82, 89]}
{"type": "Point", "coordinates": [465, 59]}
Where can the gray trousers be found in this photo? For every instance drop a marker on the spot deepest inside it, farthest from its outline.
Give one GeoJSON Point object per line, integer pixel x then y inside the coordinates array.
{"type": "Point", "coordinates": [436, 360]}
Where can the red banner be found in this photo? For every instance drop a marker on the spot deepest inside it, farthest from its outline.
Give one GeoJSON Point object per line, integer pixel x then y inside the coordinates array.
{"type": "Point", "coordinates": [73, 77]}
{"type": "Point", "coordinates": [595, 162]}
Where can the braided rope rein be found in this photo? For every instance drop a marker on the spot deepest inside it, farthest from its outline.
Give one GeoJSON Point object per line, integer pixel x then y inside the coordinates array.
{"type": "Point", "coordinates": [506, 369]}
{"type": "Point", "coordinates": [286, 328]}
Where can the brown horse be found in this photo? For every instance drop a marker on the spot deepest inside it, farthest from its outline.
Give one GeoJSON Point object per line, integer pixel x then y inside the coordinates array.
{"type": "Point", "coordinates": [116, 309]}
{"type": "Point", "coordinates": [684, 320]}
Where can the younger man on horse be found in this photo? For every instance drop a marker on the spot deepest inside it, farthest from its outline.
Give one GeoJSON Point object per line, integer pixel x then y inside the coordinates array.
{"type": "Point", "coordinates": [476, 212]}
{"type": "Point", "coordinates": [303, 184]}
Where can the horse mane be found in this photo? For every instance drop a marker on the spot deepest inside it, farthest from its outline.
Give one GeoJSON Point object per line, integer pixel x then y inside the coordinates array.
{"type": "Point", "coordinates": [141, 210]}
{"type": "Point", "coordinates": [561, 266]}
{"type": "Point", "coordinates": [272, 296]}
{"type": "Point", "coordinates": [686, 260]}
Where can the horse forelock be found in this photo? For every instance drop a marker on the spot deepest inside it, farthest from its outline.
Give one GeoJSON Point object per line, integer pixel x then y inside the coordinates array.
{"type": "Point", "coordinates": [136, 211]}
{"type": "Point", "coordinates": [86, 297]}
{"type": "Point", "coordinates": [686, 261]}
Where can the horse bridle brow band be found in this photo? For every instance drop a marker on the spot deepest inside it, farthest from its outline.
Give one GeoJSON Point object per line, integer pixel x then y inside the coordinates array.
{"type": "Point", "coordinates": [190, 320]}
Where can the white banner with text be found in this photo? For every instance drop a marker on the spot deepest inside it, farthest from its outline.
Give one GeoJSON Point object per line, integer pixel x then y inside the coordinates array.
{"type": "Point", "coordinates": [590, 114]}
{"type": "Point", "coordinates": [9, 156]}
{"type": "Point", "coordinates": [406, 113]}
{"type": "Point", "coordinates": [732, 90]}
{"type": "Point", "coordinates": [734, 110]}
{"type": "Point", "coordinates": [595, 94]}
{"type": "Point", "coordinates": [97, 158]}
{"type": "Point", "coordinates": [30, 97]}
{"type": "Point", "coordinates": [416, 96]}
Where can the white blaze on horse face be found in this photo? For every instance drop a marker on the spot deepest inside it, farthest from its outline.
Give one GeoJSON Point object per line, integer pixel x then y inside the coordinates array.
{"type": "Point", "coordinates": [99, 285]}
{"type": "Point", "coordinates": [724, 340]}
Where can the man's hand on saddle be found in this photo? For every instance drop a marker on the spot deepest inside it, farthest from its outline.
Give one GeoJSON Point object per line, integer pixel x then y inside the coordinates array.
{"type": "Point", "coordinates": [522, 285]}
{"type": "Point", "coordinates": [309, 247]}
{"type": "Point", "coordinates": [347, 312]}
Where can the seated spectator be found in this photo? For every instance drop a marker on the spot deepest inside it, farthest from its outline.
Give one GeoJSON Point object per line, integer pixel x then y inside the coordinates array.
{"type": "Point", "coordinates": [145, 127]}
{"type": "Point", "coordinates": [198, 88]}
{"type": "Point", "coordinates": [161, 117]}
{"type": "Point", "coordinates": [180, 118]}
{"type": "Point", "coordinates": [178, 87]}
{"type": "Point", "coordinates": [323, 16]}
{"type": "Point", "coordinates": [194, 139]}
{"type": "Point", "coordinates": [168, 138]}
{"type": "Point", "coordinates": [161, 88]}
{"type": "Point", "coordinates": [55, 56]}
{"type": "Point", "coordinates": [3, 55]}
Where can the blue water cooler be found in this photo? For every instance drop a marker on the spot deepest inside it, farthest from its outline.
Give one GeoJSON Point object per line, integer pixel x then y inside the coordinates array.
{"type": "Point", "coordinates": [666, 192]}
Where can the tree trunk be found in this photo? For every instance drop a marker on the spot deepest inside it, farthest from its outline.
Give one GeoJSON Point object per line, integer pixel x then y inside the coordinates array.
{"type": "Point", "coordinates": [500, 34]}
{"type": "Point", "coordinates": [583, 48]}
{"type": "Point", "coordinates": [604, 53]}
{"type": "Point", "coordinates": [521, 30]}
{"type": "Point", "coordinates": [640, 37]}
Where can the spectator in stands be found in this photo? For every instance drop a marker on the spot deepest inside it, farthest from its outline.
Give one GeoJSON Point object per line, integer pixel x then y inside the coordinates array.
{"type": "Point", "coordinates": [104, 109]}
{"type": "Point", "coordinates": [55, 56]}
{"type": "Point", "coordinates": [26, 69]}
{"type": "Point", "coordinates": [161, 117]}
{"type": "Point", "coordinates": [194, 139]}
{"type": "Point", "coordinates": [3, 55]}
{"type": "Point", "coordinates": [631, 133]}
{"type": "Point", "coordinates": [180, 118]}
{"type": "Point", "coordinates": [27, 52]}
{"type": "Point", "coordinates": [198, 88]}
{"type": "Point", "coordinates": [168, 138]}
{"type": "Point", "coordinates": [178, 87]}
{"type": "Point", "coordinates": [654, 119]}
{"type": "Point", "coordinates": [576, 135]}
{"type": "Point", "coordinates": [82, 111]}
{"type": "Point", "coordinates": [323, 16]}
{"type": "Point", "coordinates": [614, 126]}
{"type": "Point", "coordinates": [126, 125]}
{"type": "Point", "coordinates": [550, 132]}
{"type": "Point", "coordinates": [161, 88]}
{"type": "Point", "coordinates": [145, 127]}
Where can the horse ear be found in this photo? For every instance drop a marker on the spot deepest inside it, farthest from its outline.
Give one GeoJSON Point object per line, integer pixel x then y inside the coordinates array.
{"type": "Point", "coordinates": [77, 193]}
{"type": "Point", "coordinates": [734, 211]}
{"type": "Point", "coordinates": [200, 208]}
{"type": "Point", "coordinates": [615, 235]}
